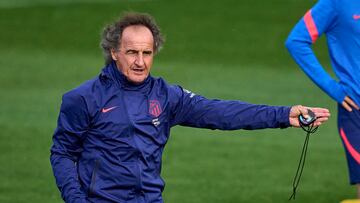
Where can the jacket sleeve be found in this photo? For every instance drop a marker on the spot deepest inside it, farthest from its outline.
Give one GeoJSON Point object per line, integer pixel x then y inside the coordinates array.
{"type": "Point", "coordinates": [318, 20]}
{"type": "Point", "coordinates": [67, 146]}
{"type": "Point", "coordinates": [196, 111]}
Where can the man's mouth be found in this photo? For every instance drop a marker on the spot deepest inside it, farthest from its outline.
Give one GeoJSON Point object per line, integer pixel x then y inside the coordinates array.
{"type": "Point", "coordinates": [138, 70]}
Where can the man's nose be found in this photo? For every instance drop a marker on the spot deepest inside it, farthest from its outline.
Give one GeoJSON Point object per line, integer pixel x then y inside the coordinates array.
{"type": "Point", "coordinates": [139, 61]}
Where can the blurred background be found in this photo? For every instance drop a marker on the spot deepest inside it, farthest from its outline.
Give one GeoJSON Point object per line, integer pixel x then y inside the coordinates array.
{"type": "Point", "coordinates": [230, 49]}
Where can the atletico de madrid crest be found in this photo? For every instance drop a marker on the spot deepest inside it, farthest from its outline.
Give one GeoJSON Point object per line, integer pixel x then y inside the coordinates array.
{"type": "Point", "coordinates": [155, 108]}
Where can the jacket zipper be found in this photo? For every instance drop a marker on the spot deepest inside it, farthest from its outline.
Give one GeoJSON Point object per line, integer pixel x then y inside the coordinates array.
{"type": "Point", "coordinates": [138, 185]}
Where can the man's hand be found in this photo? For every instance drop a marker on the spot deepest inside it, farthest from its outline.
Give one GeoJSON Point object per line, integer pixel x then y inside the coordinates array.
{"type": "Point", "coordinates": [321, 114]}
{"type": "Point", "coordinates": [348, 104]}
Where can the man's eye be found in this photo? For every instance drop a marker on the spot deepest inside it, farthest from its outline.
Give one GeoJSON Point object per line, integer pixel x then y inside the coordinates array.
{"type": "Point", "coordinates": [131, 52]}
{"type": "Point", "coordinates": [147, 53]}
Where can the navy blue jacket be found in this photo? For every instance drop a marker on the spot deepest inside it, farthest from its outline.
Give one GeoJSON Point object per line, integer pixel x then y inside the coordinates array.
{"type": "Point", "coordinates": [111, 134]}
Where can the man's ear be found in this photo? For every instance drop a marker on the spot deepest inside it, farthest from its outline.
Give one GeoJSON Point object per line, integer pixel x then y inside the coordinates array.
{"type": "Point", "coordinates": [113, 55]}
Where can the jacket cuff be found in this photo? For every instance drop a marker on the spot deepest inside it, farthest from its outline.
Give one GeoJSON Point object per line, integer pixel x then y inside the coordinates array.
{"type": "Point", "coordinates": [284, 117]}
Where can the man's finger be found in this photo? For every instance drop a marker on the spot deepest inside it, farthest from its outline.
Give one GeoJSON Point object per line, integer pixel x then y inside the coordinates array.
{"type": "Point", "coordinates": [320, 110]}
{"type": "Point", "coordinates": [322, 119]}
{"type": "Point", "coordinates": [346, 106]}
{"type": "Point", "coordinates": [349, 101]}
{"type": "Point", "coordinates": [321, 114]}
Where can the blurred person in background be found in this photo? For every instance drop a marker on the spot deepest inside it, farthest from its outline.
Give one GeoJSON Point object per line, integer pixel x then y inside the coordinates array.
{"type": "Point", "coordinates": [112, 130]}
{"type": "Point", "coordinates": [339, 20]}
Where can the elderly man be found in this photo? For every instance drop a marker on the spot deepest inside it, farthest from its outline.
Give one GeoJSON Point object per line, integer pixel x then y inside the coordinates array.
{"type": "Point", "coordinates": [112, 130]}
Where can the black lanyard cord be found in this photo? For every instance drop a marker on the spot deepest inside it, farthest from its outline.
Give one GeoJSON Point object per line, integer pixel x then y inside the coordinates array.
{"type": "Point", "coordinates": [309, 130]}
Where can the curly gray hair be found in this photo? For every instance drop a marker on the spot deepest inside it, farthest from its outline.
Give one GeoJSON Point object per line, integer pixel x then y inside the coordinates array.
{"type": "Point", "coordinates": [111, 36]}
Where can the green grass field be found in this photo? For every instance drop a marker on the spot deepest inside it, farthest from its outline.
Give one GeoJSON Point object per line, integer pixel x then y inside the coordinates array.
{"type": "Point", "coordinates": [231, 49]}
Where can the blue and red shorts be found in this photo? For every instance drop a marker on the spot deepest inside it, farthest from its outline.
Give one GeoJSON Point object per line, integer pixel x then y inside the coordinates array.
{"type": "Point", "coordinates": [349, 130]}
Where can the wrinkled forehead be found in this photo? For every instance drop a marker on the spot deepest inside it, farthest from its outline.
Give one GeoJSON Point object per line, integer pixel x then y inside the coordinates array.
{"type": "Point", "coordinates": [137, 34]}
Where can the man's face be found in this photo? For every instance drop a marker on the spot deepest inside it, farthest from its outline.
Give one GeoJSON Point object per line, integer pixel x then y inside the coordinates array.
{"type": "Point", "coordinates": [135, 55]}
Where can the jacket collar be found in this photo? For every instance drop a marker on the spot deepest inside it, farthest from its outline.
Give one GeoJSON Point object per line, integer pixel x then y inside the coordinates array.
{"type": "Point", "coordinates": [112, 72]}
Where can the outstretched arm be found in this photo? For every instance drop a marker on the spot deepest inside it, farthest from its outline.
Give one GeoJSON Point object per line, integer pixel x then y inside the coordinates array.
{"type": "Point", "coordinates": [196, 111]}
